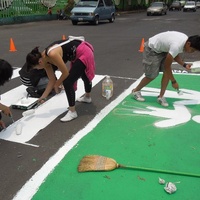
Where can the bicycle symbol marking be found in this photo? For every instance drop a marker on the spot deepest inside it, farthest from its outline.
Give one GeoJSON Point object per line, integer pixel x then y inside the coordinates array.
{"type": "Point", "coordinates": [179, 115]}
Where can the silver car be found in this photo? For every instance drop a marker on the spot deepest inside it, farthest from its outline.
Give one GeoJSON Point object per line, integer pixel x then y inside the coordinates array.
{"type": "Point", "coordinates": [157, 8]}
{"type": "Point", "coordinates": [190, 6]}
{"type": "Point", "coordinates": [198, 4]}
{"type": "Point", "coordinates": [93, 11]}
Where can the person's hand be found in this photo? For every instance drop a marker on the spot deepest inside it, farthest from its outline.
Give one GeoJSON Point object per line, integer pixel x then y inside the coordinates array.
{"type": "Point", "coordinates": [2, 124]}
{"type": "Point", "coordinates": [188, 66]}
{"type": "Point", "coordinates": [6, 110]}
{"type": "Point", "coordinates": [58, 88]}
{"type": "Point", "coordinates": [61, 87]}
{"type": "Point", "coordinates": [41, 100]}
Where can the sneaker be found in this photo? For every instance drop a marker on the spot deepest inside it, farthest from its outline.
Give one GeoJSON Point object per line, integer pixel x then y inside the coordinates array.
{"type": "Point", "coordinates": [137, 96]}
{"type": "Point", "coordinates": [69, 116]}
{"type": "Point", "coordinates": [85, 99]}
{"type": "Point", "coordinates": [32, 92]}
{"type": "Point", "coordinates": [162, 101]}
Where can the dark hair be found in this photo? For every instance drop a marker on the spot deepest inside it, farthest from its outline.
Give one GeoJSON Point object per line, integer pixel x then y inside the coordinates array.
{"type": "Point", "coordinates": [32, 58]}
{"type": "Point", "coordinates": [195, 41]}
{"type": "Point", "coordinates": [6, 71]}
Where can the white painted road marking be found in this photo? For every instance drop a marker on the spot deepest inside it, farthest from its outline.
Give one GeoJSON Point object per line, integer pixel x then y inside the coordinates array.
{"type": "Point", "coordinates": [33, 184]}
{"type": "Point", "coordinates": [43, 115]}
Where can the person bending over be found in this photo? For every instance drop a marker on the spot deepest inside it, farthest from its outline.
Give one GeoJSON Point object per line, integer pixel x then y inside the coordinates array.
{"type": "Point", "coordinates": [81, 55]}
{"type": "Point", "coordinates": [159, 53]}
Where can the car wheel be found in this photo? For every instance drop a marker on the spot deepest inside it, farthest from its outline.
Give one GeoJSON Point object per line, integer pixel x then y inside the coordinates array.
{"type": "Point", "coordinates": [96, 20]}
{"type": "Point", "coordinates": [74, 22]}
{"type": "Point", "coordinates": [112, 19]}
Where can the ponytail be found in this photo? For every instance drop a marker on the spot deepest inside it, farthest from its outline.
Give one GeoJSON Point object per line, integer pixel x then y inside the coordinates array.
{"type": "Point", "coordinates": [32, 59]}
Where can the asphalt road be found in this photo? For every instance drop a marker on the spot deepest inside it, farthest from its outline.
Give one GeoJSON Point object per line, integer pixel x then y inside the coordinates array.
{"type": "Point", "coordinates": [116, 53]}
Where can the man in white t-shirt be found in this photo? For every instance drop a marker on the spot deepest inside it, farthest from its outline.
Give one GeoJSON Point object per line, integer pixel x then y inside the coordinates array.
{"type": "Point", "coordinates": [159, 53]}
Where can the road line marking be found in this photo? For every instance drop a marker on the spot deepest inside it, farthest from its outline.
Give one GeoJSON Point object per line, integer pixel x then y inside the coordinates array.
{"type": "Point", "coordinates": [120, 77]}
{"type": "Point", "coordinates": [43, 115]}
{"type": "Point", "coordinates": [33, 184]}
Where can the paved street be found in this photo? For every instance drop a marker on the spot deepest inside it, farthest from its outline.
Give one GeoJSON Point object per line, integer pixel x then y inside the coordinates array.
{"type": "Point", "coordinates": [116, 53]}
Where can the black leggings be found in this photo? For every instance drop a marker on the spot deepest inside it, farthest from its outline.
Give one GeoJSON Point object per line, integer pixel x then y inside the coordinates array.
{"type": "Point", "coordinates": [77, 71]}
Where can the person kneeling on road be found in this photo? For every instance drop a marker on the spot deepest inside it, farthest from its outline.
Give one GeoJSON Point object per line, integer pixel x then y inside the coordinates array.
{"type": "Point", "coordinates": [35, 80]}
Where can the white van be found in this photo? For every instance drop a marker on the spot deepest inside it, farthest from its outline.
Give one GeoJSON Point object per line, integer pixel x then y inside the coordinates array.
{"type": "Point", "coordinates": [93, 11]}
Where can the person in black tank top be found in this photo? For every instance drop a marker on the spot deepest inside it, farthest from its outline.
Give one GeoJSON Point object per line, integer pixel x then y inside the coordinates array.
{"type": "Point", "coordinates": [82, 65]}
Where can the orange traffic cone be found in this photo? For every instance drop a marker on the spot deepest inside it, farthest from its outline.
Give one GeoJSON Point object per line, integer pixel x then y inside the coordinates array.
{"type": "Point", "coordinates": [142, 46]}
{"type": "Point", "coordinates": [12, 45]}
{"type": "Point", "coordinates": [63, 37]}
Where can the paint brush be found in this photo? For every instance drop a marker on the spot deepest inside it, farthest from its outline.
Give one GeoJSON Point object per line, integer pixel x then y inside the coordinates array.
{"type": "Point", "coordinates": [11, 117]}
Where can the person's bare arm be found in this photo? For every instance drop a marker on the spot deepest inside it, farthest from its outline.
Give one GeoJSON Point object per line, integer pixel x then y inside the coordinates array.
{"type": "Point", "coordinates": [168, 62]}
{"type": "Point", "coordinates": [5, 109]}
{"type": "Point", "coordinates": [180, 62]}
{"type": "Point", "coordinates": [56, 59]}
{"type": "Point", "coordinates": [52, 79]}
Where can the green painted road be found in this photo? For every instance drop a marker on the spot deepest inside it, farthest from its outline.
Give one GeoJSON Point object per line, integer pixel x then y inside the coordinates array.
{"type": "Point", "coordinates": [142, 134]}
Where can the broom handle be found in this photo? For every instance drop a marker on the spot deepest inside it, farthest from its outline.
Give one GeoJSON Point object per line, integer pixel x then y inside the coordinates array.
{"type": "Point", "coordinates": [159, 170]}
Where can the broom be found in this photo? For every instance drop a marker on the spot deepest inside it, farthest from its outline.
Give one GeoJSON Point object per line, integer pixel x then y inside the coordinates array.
{"type": "Point", "coordinates": [101, 163]}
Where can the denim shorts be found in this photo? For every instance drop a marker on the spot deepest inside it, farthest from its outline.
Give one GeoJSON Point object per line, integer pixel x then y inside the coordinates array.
{"type": "Point", "coordinates": [153, 62]}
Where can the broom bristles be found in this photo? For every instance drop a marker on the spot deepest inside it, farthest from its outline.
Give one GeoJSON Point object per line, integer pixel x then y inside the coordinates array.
{"type": "Point", "coordinates": [97, 163]}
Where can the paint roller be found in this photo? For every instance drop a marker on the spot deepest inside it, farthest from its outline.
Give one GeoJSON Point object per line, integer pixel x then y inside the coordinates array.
{"type": "Point", "coordinates": [28, 112]}
{"type": "Point", "coordinates": [18, 128]}
{"type": "Point", "coordinates": [31, 111]}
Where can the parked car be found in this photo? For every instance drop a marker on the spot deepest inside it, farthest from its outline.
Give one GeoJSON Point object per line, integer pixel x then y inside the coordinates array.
{"type": "Point", "coordinates": [182, 3]}
{"type": "Point", "coordinates": [198, 4]}
{"type": "Point", "coordinates": [93, 11]}
{"type": "Point", "coordinates": [176, 5]}
{"type": "Point", "coordinates": [158, 8]}
{"type": "Point", "coordinates": [190, 6]}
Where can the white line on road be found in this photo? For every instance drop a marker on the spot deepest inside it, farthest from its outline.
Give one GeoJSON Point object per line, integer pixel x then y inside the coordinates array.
{"type": "Point", "coordinates": [33, 184]}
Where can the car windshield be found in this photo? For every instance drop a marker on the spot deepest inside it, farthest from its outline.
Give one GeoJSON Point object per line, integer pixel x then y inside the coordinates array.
{"type": "Point", "coordinates": [190, 3]}
{"type": "Point", "coordinates": [87, 3]}
{"type": "Point", "coordinates": [175, 3]}
{"type": "Point", "coordinates": [157, 4]}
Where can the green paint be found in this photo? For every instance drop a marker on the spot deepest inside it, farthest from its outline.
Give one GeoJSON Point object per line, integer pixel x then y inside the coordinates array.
{"type": "Point", "coordinates": [132, 140]}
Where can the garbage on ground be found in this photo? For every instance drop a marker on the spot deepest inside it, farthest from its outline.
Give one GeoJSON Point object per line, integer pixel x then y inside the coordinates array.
{"type": "Point", "coordinates": [161, 181]}
{"type": "Point", "coordinates": [170, 187]}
